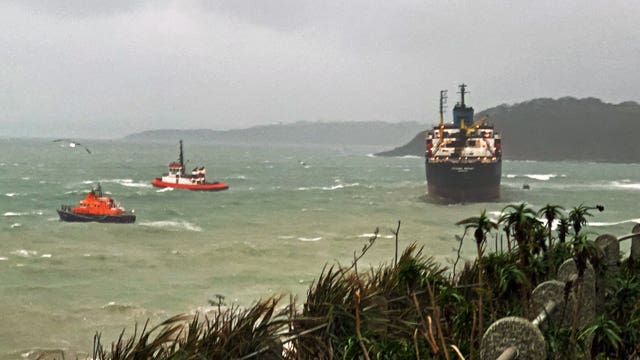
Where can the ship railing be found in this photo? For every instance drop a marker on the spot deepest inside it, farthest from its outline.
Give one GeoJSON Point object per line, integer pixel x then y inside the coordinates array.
{"type": "Point", "coordinates": [464, 160]}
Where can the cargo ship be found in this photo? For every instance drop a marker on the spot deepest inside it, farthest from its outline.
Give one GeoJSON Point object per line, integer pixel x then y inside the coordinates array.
{"type": "Point", "coordinates": [96, 207]}
{"type": "Point", "coordinates": [178, 178]}
{"type": "Point", "coordinates": [463, 159]}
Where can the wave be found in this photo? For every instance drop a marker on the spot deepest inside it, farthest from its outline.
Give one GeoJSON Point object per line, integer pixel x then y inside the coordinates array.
{"type": "Point", "coordinates": [614, 222]}
{"type": "Point", "coordinates": [123, 182]}
{"type": "Point", "coordinates": [165, 189]}
{"type": "Point", "coordinates": [11, 194]}
{"type": "Point", "coordinates": [115, 307]}
{"type": "Point", "coordinates": [328, 188]}
{"type": "Point", "coordinates": [625, 184]}
{"type": "Point", "coordinates": [3, 258]}
{"type": "Point", "coordinates": [237, 177]}
{"type": "Point", "coordinates": [310, 239]}
{"type": "Point", "coordinates": [24, 253]}
{"type": "Point", "coordinates": [172, 225]}
{"type": "Point", "coordinates": [541, 177]}
{"type": "Point", "coordinates": [16, 214]}
{"type": "Point", "coordinates": [15, 225]}
{"type": "Point", "coordinates": [370, 235]}
{"type": "Point", "coordinates": [130, 183]}
{"type": "Point", "coordinates": [409, 157]}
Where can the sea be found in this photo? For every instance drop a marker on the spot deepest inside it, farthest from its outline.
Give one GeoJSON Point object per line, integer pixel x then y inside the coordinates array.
{"type": "Point", "coordinates": [290, 210]}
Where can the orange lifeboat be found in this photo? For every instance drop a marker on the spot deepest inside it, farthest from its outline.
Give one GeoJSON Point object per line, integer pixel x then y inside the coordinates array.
{"type": "Point", "coordinates": [96, 207]}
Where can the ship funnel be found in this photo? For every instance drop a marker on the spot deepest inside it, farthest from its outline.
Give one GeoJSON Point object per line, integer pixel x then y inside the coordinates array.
{"type": "Point", "coordinates": [462, 112]}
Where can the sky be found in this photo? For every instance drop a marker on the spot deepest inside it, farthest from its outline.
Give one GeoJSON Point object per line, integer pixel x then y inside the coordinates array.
{"type": "Point", "coordinates": [106, 69]}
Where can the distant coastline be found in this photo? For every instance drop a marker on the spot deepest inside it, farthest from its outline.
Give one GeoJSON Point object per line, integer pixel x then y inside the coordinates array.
{"type": "Point", "coordinates": [565, 129]}
{"type": "Point", "coordinates": [557, 130]}
{"type": "Point", "coordinates": [370, 133]}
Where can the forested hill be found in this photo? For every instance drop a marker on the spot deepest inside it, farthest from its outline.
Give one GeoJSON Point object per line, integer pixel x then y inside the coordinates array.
{"type": "Point", "coordinates": [563, 129]}
{"type": "Point", "coordinates": [378, 133]}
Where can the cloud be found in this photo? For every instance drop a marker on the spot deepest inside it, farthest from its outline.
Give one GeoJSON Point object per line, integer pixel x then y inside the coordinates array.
{"type": "Point", "coordinates": [80, 8]}
{"type": "Point", "coordinates": [125, 66]}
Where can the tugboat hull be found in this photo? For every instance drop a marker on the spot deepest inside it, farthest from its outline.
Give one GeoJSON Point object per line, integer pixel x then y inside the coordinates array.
{"type": "Point", "coordinates": [464, 182]}
{"type": "Point", "coordinates": [215, 186]}
{"type": "Point", "coordinates": [117, 219]}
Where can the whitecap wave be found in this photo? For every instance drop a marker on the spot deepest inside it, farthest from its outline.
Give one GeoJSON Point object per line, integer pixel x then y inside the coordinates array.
{"type": "Point", "coordinates": [172, 225]}
{"type": "Point", "coordinates": [16, 214]}
{"type": "Point", "coordinates": [410, 157]}
{"type": "Point", "coordinates": [614, 223]}
{"type": "Point", "coordinates": [541, 177]}
{"type": "Point", "coordinates": [13, 213]}
{"type": "Point", "coordinates": [314, 239]}
{"type": "Point", "coordinates": [370, 235]}
{"type": "Point", "coordinates": [625, 185]}
{"type": "Point", "coordinates": [131, 183]}
{"type": "Point", "coordinates": [24, 253]}
{"type": "Point", "coordinates": [286, 237]}
{"type": "Point", "coordinates": [123, 182]}
{"type": "Point", "coordinates": [328, 188]}
{"type": "Point", "coordinates": [3, 258]}
{"type": "Point", "coordinates": [116, 307]}
{"type": "Point", "coordinates": [11, 194]}
{"type": "Point", "coordinates": [15, 225]}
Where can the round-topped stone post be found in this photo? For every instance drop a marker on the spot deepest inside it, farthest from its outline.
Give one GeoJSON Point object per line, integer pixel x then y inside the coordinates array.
{"type": "Point", "coordinates": [513, 335]}
{"type": "Point", "coordinates": [634, 255]}
{"type": "Point", "coordinates": [611, 249]}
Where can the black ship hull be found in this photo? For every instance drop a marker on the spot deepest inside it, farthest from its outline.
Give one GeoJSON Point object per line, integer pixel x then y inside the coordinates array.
{"type": "Point", "coordinates": [117, 219]}
{"type": "Point", "coordinates": [464, 182]}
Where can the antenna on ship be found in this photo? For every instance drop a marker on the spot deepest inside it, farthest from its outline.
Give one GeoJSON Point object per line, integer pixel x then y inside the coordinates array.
{"type": "Point", "coordinates": [443, 104]}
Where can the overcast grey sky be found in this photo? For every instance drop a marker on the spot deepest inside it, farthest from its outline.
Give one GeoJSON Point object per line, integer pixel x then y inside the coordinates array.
{"type": "Point", "coordinates": [102, 69]}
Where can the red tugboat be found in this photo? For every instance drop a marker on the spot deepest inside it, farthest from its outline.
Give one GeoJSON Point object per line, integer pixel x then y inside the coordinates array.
{"type": "Point", "coordinates": [177, 178]}
{"type": "Point", "coordinates": [96, 207]}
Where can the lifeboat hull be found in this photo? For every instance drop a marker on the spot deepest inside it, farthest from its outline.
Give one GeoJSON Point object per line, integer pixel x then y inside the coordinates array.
{"type": "Point", "coordinates": [70, 216]}
{"type": "Point", "coordinates": [215, 186]}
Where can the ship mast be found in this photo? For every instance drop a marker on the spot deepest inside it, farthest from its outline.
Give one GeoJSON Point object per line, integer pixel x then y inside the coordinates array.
{"type": "Point", "coordinates": [463, 88]}
{"type": "Point", "coordinates": [443, 101]}
{"type": "Point", "coordinates": [181, 158]}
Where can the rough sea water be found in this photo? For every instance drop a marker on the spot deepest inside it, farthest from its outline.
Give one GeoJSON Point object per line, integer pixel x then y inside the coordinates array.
{"type": "Point", "coordinates": [289, 211]}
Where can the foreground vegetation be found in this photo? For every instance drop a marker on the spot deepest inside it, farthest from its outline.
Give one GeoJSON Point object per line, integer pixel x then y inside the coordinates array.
{"type": "Point", "coordinates": [413, 307]}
